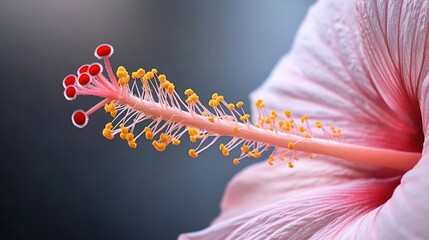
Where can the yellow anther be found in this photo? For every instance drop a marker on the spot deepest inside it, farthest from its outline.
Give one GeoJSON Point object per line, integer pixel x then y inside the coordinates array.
{"type": "Point", "coordinates": [211, 119]}
{"type": "Point", "coordinates": [159, 146]}
{"type": "Point", "coordinates": [154, 71]}
{"type": "Point", "coordinates": [304, 118]}
{"type": "Point", "coordinates": [273, 115]}
{"type": "Point", "coordinates": [338, 134]}
{"type": "Point", "coordinates": [165, 84]}
{"type": "Point", "coordinates": [193, 131]}
{"type": "Point", "coordinates": [267, 120]}
{"type": "Point", "coordinates": [146, 129]}
{"type": "Point", "coordinates": [192, 153]}
{"type": "Point", "coordinates": [249, 154]}
{"type": "Point", "coordinates": [311, 156]}
{"type": "Point", "coordinates": [194, 98]}
{"type": "Point", "coordinates": [149, 135]}
{"type": "Point", "coordinates": [132, 144]}
{"type": "Point", "coordinates": [239, 104]}
{"type": "Point", "coordinates": [165, 138]}
{"type": "Point", "coordinates": [256, 153]}
{"type": "Point", "coordinates": [170, 88]}
{"type": "Point", "coordinates": [257, 125]}
{"type": "Point", "coordinates": [231, 106]}
{"type": "Point", "coordinates": [244, 148]}
{"type": "Point", "coordinates": [107, 133]}
{"type": "Point", "coordinates": [122, 74]}
{"type": "Point", "coordinates": [288, 113]}
{"type": "Point", "coordinates": [290, 164]}
{"type": "Point", "coordinates": [162, 78]}
{"type": "Point", "coordinates": [221, 146]}
{"type": "Point", "coordinates": [212, 103]}
{"type": "Point", "coordinates": [214, 96]}
{"type": "Point", "coordinates": [129, 137]}
{"type": "Point", "coordinates": [138, 74]}
{"type": "Point", "coordinates": [124, 132]}
{"type": "Point", "coordinates": [175, 141]}
{"type": "Point", "coordinates": [123, 81]}
{"type": "Point", "coordinates": [193, 138]}
{"type": "Point", "coordinates": [291, 145]}
{"type": "Point", "coordinates": [270, 128]}
{"type": "Point", "coordinates": [259, 103]}
{"type": "Point", "coordinates": [112, 106]}
{"type": "Point", "coordinates": [318, 124]}
{"type": "Point", "coordinates": [188, 101]}
{"type": "Point", "coordinates": [189, 92]}
{"type": "Point", "coordinates": [141, 72]}
{"type": "Point", "coordinates": [124, 129]}
{"type": "Point", "coordinates": [123, 135]}
{"type": "Point", "coordinates": [302, 129]}
{"type": "Point", "coordinates": [204, 113]}
{"type": "Point", "coordinates": [219, 99]}
{"type": "Point", "coordinates": [271, 160]}
{"type": "Point", "coordinates": [149, 75]}
{"type": "Point", "coordinates": [235, 129]}
{"type": "Point", "coordinates": [287, 129]}
{"type": "Point", "coordinates": [225, 152]}
{"type": "Point", "coordinates": [109, 125]}
{"type": "Point", "coordinates": [109, 107]}
{"type": "Point", "coordinates": [245, 117]}
{"type": "Point", "coordinates": [236, 161]}
{"type": "Point", "coordinates": [307, 135]}
{"type": "Point", "coordinates": [113, 113]}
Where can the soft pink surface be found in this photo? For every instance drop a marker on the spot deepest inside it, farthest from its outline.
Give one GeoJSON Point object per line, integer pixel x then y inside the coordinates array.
{"type": "Point", "coordinates": [361, 65]}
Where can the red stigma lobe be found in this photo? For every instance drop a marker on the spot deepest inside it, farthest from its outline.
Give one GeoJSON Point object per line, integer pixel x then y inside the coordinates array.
{"type": "Point", "coordinates": [70, 93]}
{"type": "Point", "coordinates": [103, 50]}
{"type": "Point", "coordinates": [69, 80]}
{"type": "Point", "coordinates": [79, 118]}
{"type": "Point", "coordinates": [94, 69]}
{"type": "Point", "coordinates": [83, 69]}
{"type": "Point", "coordinates": [84, 79]}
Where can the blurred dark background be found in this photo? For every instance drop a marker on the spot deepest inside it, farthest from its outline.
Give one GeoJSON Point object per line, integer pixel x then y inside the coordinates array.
{"type": "Point", "coordinates": [61, 182]}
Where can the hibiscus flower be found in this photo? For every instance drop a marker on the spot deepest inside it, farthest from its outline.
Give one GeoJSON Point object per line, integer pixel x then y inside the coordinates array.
{"type": "Point", "coordinates": [363, 65]}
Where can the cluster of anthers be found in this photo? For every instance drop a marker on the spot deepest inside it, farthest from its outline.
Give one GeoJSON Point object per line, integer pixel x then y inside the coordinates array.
{"type": "Point", "coordinates": [148, 97]}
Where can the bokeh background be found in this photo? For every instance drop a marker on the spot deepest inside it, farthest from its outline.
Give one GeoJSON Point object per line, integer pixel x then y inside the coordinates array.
{"type": "Point", "coordinates": [60, 182]}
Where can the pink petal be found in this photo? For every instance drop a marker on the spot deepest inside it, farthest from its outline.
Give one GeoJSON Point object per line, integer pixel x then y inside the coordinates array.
{"type": "Point", "coordinates": [326, 75]}
{"type": "Point", "coordinates": [331, 75]}
{"type": "Point", "coordinates": [321, 214]}
{"type": "Point", "coordinates": [262, 184]}
{"type": "Point", "coordinates": [405, 83]}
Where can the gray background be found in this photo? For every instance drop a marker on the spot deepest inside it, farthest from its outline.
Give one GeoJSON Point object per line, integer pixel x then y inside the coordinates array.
{"type": "Point", "coordinates": [61, 182]}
